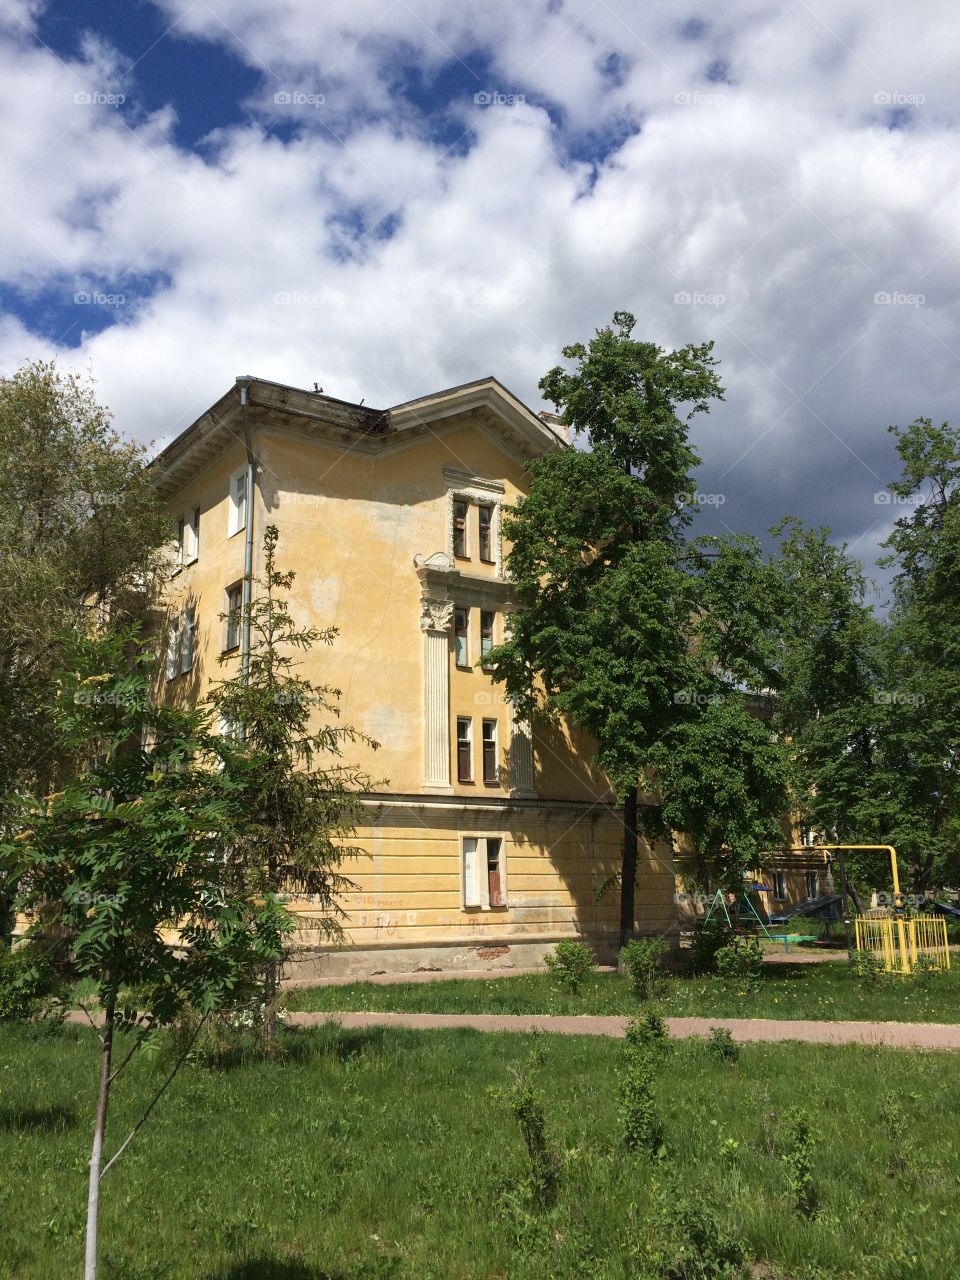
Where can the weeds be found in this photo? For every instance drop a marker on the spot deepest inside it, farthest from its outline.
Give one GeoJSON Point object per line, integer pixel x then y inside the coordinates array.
{"type": "Point", "coordinates": [571, 964]}
{"type": "Point", "coordinates": [798, 1159]}
{"type": "Point", "coordinates": [722, 1046]}
{"type": "Point", "coordinates": [643, 960]}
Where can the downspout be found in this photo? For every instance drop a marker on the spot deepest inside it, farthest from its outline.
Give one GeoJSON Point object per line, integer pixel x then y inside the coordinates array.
{"type": "Point", "coordinates": [243, 382]}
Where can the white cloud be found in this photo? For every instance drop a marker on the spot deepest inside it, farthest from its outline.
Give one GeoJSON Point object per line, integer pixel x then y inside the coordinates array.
{"type": "Point", "coordinates": [781, 203]}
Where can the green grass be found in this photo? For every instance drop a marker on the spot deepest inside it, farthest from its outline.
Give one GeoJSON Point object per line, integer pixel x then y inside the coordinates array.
{"type": "Point", "coordinates": [822, 991]}
{"type": "Point", "coordinates": [381, 1154]}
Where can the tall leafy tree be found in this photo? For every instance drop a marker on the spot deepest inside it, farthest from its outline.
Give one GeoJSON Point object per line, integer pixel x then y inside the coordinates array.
{"type": "Point", "coordinates": [302, 800]}
{"type": "Point", "coordinates": [129, 851]}
{"type": "Point", "coordinates": [80, 526]}
{"type": "Point", "coordinates": [624, 625]}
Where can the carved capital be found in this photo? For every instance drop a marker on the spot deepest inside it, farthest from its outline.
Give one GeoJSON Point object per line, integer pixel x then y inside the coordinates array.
{"type": "Point", "coordinates": [435, 615]}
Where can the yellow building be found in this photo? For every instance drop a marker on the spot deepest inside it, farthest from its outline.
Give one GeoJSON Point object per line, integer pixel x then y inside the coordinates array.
{"type": "Point", "coordinates": [486, 840]}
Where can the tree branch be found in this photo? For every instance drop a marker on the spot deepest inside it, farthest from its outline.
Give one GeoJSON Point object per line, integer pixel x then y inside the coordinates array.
{"type": "Point", "coordinates": [154, 1100]}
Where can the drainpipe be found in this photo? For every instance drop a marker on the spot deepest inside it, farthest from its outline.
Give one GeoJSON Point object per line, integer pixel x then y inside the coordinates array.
{"type": "Point", "coordinates": [243, 382]}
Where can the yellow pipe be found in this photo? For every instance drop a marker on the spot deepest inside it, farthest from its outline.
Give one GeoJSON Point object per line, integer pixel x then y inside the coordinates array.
{"type": "Point", "coordinates": [897, 904]}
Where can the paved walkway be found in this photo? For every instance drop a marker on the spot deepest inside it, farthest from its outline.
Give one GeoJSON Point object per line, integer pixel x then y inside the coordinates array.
{"type": "Point", "coordinates": [904, 1035]}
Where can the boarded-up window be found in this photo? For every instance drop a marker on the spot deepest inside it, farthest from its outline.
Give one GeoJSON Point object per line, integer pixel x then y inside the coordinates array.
{"type": "Point", "coordinates": [490, 752]}
{"type": "Point", "coordinates": [461, 636]}
{"type": "Point", "coordinates": [464, 749]}
{"type": "Point", "coordinates": [460, 529]}
{"type": "Point", "coordinates": [485, 514]}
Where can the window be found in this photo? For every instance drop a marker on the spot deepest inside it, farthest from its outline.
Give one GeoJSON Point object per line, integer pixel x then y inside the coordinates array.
{"type": "Point", "coordinates": [238, 502]}
{"type": "Point", "coordinates": [780, 885]}
{"type": "Point", "coordinates": [464, 749]}
{"type": "Point", "coordinates": [484, 872]}
{"type": "Point", "coordinates": [490, 775]}
{"type": "Point", "coordinates": [231, 638]}
{"type": "Point", "coordinates": [486, 524]}
{"type": "Point", "coordinates": [188, 633]}
{"type": "Point", "coordinates": [460, 530]}
{"type": "Point", "coordinates": [813, 884]}
{"type": "Point", "coordinates": [486, 633]}
{"type": "Point", "coordinates": [173, 647]}
{"type": "Point", "coordinates": [190, 537]}
{"type": "Point", "coordinates": [461, 636]}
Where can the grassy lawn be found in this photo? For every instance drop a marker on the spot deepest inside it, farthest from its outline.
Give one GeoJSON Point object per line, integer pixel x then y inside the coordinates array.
{"type": "Point", "coordinates": [820, 991]}
{"type": "Point", "coordinates": [381, 1154]}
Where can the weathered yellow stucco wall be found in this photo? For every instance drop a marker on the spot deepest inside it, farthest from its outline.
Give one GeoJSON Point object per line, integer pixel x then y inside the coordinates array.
{"type": "Point", "coordinates": [351, 521]}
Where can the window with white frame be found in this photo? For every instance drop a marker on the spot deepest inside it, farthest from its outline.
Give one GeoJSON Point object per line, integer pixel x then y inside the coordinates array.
{"type": "Point", "coordinates": [460, 510]}
{"type": "Point", "coordinates": [173, 647]}
{"type": "Point", "coordinates": [188, 636]}
{"type": "Point", "coordinates": [489, 733]}
{"type": "Point", "coordinates": [233, 620]}
{"type": "Point", "coordinates": [188, 531]}
{"type": "Point", "coordinates": [238, 502]}
{"type": "Point", "coordinates": [464, 749]}
{"type": "Point", "coordinates": [461, 637]}
{"type": "Point", "coordinates": [484, 872]}
{"type": "Point", "coordinates": [485, 526]}
{"type": "Point", "coordinates": [487, 617]}
{"type": "Point", "coordinates": [780, 885]}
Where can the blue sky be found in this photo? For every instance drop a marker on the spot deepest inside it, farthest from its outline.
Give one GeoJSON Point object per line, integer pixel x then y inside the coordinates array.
{"type": "Point", "coordinates": [388, 198]}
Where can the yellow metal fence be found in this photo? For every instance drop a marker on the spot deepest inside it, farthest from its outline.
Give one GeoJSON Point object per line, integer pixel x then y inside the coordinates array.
{"type": "Point", "coordinates": [899, 942]}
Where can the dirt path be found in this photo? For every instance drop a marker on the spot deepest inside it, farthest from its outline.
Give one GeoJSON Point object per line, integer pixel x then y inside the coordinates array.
{"type": "Point", "coordinates": [903, 1035]}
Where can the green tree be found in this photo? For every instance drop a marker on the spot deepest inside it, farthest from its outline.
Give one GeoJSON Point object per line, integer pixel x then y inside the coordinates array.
{"type": "Point", "coordinates": [624, 625]}
{"type": "Point", "coordinates": [302, 801]}
{"type": "Point", "coordinates": [80, 527]}
{"type": "Point", "coordinates": [131, 850]}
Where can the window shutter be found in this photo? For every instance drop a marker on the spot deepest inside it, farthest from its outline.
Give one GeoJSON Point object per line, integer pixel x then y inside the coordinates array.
{"type": "Point", "coordinates": [173, 646]}
{"type": "Point", "coordinates": [187, 640]}
{"type": "Point", "coordinates": [473, 854]}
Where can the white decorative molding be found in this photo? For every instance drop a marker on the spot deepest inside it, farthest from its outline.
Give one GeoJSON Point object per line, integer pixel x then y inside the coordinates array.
{"type": "Point", "coordinates": [439, 562]}
{"type": "Point", "coordinates": [436, 708]}
{"type": "Point", "coordinates": [478, 497]}
{"type": "Point", "coordinates": [464, 480]}
{"type": "Point", "coordinates": [435, 614]}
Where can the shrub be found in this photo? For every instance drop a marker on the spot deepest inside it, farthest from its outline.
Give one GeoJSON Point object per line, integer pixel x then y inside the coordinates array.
{"type": "Point", "coordinates": [740, 962]}
{"type": "Point", "coordinates": [708, 937]}
{"type": "Point", "coordinates": [648, 1032]}
{"type": "Point", "coordinates": [526, 1102]}
{"type": "Point", "coordinates": [643, 960]}
{"type": "Point", "coordinates": [639, 1122]}
{"type": "Point", "coordinates": [721, 1044]}
{"type": "Point", "coordinates": [798, 1158]}
{"type": "Point", "coordinates": [702, 1249]}
{"type": "Point", "coordinates": [571, 964]}
{"type": "Point", "coordinates": [29, 984]}
{"type": "Point", "coordinates": [867, 968]}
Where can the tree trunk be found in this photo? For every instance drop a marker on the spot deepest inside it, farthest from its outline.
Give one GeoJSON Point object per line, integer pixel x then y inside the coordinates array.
{"type": "Point", "coordinates": [628, 877]}
{"type": "Point", "coordinates": [96, 1154]}
{"type": "Point", "coordinates": [270, 985]}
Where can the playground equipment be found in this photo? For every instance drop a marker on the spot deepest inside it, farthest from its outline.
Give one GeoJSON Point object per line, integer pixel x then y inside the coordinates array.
{"type": "Point", "coordinates": [897, 939]}
{"type": "Point", "coordinates": [743, 902]}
